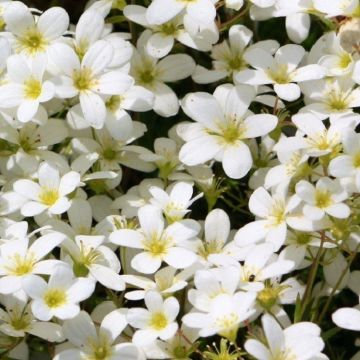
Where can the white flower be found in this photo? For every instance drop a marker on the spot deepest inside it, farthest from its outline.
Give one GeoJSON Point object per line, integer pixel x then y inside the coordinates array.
{"type": "Point", "coordinates": [336, 7]}
{"type": "Point", "coordinates": [348, 163]}
{"type": "Point", "coordinates": [32, 37]}
{"type": "Point", "coordinates": [331, 96]}
{"type": "Point", "coordinates": [59, 297]}
{"type": "Point", "coordinates": [319, 140]}
{"type": "Point", "coordinates": [225, 315]}
{"type": "Point", "coordinates": [93, 343]}
{"type": "Point", "coordinates": [152, 74]}
{"type": "Point", "coordinates": [211, 284]}
{"type": "Point", "coordinates": [158, 321]}
{"type": "Point", "coordinates": [292, 163]}
{"type": "Point", "coordinates": [272, 214]}
{"type": "Point", "coordinates": [202, 11]}
{"type": "Point", "coordinates": [229, 56]}
{"type": "Point", "coordinates": [262, 264]}
{"type": "Point", "coordinates": [25, 88]}
{"type": "Point", "coordinates": [136, 197]}
{"type": "Point", "coordinates": [89, 78]}
{"type": "Point", "coordinates": [223, 122]}
{"type": "Point", "coordinates": [166, 281]}
{"type": "Point", "coordinates": [162, 38]}
{"type": "Point", "coordinates": [31, 142]}
{"type": "Point", "coordinates": [174, 204]}
{"type": "Point", "coordinates": [50, 193]}
{"type": "Point", "coordinates": [157, 242]}
{"type": "Point", "coordinates": [17, 320]}
{"type": "Point", "coordinates": [216, 244]}
{"type": "Point", "coordinates": [337, 61]}
{"type": "Point", "coordinates": [298, 341]}
{"type": "Point", "coordinates": [325, 198]}
{"type": "Point", "coordinates": [282, 70]}
{"type": "Point", "coordinates": [19, 259]}
{"type": "Point", "coordinates": [165, 157]}
{"type": "Point", "coordinates": [89, 256]}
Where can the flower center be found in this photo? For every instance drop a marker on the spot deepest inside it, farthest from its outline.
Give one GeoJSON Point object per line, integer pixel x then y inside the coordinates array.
{"type": "Point", "coordinates": [277, 213]}
{"type": "Point", "coordinates": [356, 160]}
{"type": "Point", "coordinates": [345, 60]}
{"type": "Point", "coordinates": [22, 265]}
{"type": "Point", "coordinates": [20, 319]}
{"type": "Point", "coordinates": [228, 325]}
{"type": "Point", "coordinates": [158, 321]}
{"type": "Point", "coordinates": [169, 28]}
{"type": "Point", "coordinates": [48, 196]}
{"type": "Point", "coordinates": [101, 353]}
{"type": "Point", "coordinates": [280, 74]}
{"type": "Point", "coordinates": [337, 100]}
{"type": "Point", "coordinates": [146, 77]}
{"type": "Point", "coordinates": [113, 103]}
{"type": "Point", "coordinates": [236, 63]}
{"type": "Point", "coordinates": [156, 245]}
{"type": "Point", "coordinates": [54, 298]}
{"type": "Point", "coordinates": [285, 354]}
{"type": "Point", "coordinates": [32, 88]}
{"type": "Point", "coordinates": [83, 79]}
{"type": "Point", "coordinates": [323, 199]}
{"type": "Point", "coordinates": [33, 41]}
{"type": "Point", "coordinates": [109, 154]}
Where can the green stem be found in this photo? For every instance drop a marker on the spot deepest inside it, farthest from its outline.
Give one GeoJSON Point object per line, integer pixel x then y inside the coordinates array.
{"type": "Point", "coordinates": [312, 276]}
{"type": "Point", "coordinates": [340, 279]}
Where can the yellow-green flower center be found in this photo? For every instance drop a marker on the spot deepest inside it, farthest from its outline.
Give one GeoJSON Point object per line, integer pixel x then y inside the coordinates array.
{"type": "Point", "coordinates": [280, 75]}
{"type": "Point", "coordinates": [323, 199]}
{"type": "Point", "coordinates": [356, 160]}
{"type": "Point", "coordinates": [32, 42]}
{"type": "Point", "coordinates": [54, 298]}
{"type": "Point", "coordinates": [236, 63]}
{"type": "Point", "coordinates": [169, 28]}
{"type": "Point", "coordinates": [32, 88]}
{"type": "Point", "coordinates": [83, 79]}
{"type": "Point", "coordinates": [158, 321]}
{"type": "Point", "coordinates": [113, 103]}
{"type": "Point", "coordinates": [345, 60]}
{"type": "Point", "coordinates": [49, 196]}
{"type": "Point", "coordinates": [277, 213]}
{"type": "Point", "coordinates": [21, 265]}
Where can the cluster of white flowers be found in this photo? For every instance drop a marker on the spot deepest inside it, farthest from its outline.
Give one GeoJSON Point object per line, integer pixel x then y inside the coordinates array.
{"type": "Point", "coordinates": [117, 244]}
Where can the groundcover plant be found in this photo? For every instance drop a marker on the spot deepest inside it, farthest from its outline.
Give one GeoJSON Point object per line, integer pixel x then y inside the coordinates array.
{"type": "Point", "coordinates": [180, 179]}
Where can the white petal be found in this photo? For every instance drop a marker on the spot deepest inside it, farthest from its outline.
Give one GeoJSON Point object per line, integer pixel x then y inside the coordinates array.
{"type": "Point", "coordinates": [53, 23]}
{"type": "Point", "coordinates": [179, 258]}
{"type": "Point", "coordinates": [199, 151]}
{"type": "Point", "coordinates": [341, 211]}
{"type": "Point", "coordinates": [166, 101]}
{"type": "Point", "coordinates": [159, 45]}
{"type": "Point", "coordinates": [114, 83]}
{"type": "Point", "coordinates": [175, 67]}
{"type": "Point", "coordinates": [288, 92]}
{"type": "Point", "coordinates": [290, 54]}
{"type": "Point", "coordinates": [107, 277]}
{"type": "Point", "coordinates": [298, 26]}
{"type": "Point", "coordinates": [146, 263]}
{"type": "Point", "coordinates": [203, 107]}
{"type": "Point", "coordinates": [259, 125]}
{"type": "Point", "coordinates": [156, 15]}
{"type": "Point", "coordinates": [237, 160]}
{"type": "Point", "coordinates": [93, 108]}
{"type": "Point", "coordinates": [347, 318]}
{"type": "Point", "coordinates": [98, 57]}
